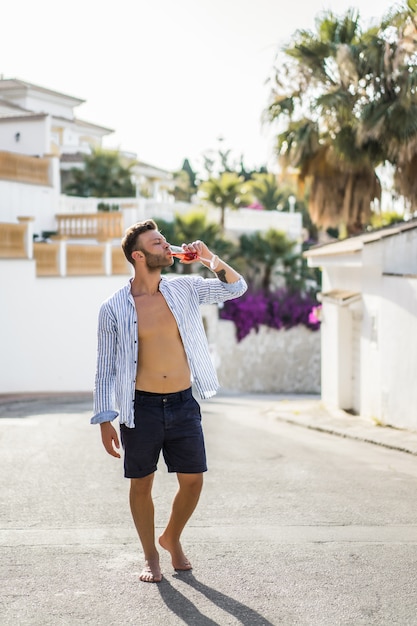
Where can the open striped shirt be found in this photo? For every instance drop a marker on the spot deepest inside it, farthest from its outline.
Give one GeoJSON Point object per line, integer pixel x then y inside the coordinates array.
{"type": "Point", "coordinates": [117, 348]}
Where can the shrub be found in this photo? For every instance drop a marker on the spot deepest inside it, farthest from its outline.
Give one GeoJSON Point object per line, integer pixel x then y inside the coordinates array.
{"type": "Point", "coordinates": [281, 309]}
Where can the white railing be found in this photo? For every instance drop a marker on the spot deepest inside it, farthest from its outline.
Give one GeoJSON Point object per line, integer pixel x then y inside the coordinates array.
{"type": "Point", "coordinates": [99, 226]}
{"type": "Point", "coordinates": [236, 222]}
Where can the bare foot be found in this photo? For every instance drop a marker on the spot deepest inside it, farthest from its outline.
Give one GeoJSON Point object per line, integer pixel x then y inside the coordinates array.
{"type": "Point", "coordinates": [151, 573]}
{"type": "Point", "coordinates": [178, 558]}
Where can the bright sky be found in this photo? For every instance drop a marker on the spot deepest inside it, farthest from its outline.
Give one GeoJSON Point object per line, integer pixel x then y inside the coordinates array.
{"type": "Point", "coordinates": [169, 76]}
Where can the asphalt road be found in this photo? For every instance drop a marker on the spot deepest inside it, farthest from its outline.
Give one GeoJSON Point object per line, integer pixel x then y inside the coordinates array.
{"type": "Point", "coordinates": [294, 527]}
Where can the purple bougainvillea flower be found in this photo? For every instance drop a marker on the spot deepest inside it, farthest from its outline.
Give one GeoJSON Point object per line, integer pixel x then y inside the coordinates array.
{"type": "Point", "coordinates": [281, 309]}
{"type": "Point", "coordinates": [314, 316]}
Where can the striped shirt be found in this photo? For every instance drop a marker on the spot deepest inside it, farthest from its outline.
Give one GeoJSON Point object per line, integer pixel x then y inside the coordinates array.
{"type": "Point", "coordinates": [117, 347]}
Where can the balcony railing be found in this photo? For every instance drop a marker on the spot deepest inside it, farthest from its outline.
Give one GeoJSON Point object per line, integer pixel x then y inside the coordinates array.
{"type": "Point", "coordinates": [16, 240]}
{"type": "Point", "coordinates": [25, 169]}
{"type": "Point", "coordinates": [61, 257]}
{"type": "Point", "coordinates": [99, 226]}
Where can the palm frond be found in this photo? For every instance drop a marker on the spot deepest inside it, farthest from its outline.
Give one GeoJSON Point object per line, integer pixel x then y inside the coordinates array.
{"type": "Point", "coordinates": [338, 101]}
{"type": "Point", "coordinates": [281, 105]}
{"type": "Point", "coordinates": [299, 142]}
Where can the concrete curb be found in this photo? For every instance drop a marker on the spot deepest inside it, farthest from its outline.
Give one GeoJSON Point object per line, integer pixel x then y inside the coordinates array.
{"type": "Point", "coordinates": [311, 414]}
{"type": "Point", "coordinates": [375, 440]}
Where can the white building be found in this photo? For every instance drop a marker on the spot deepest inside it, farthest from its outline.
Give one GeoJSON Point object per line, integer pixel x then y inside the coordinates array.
{"type": "Point", "coordinates": [41, 139]}
{"type": "Point", "coordinates": [41, 122]}
{"type": "Point", "coordinates": [369, 324]}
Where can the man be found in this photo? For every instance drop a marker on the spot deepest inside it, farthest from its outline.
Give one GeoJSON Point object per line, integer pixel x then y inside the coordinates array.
{"type": "Point", "coordinates": [151, 346]}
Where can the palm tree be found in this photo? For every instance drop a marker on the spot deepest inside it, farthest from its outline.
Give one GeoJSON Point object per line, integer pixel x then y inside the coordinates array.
{"type": "Point", "coordinates": [262, 253]}
{"type": "Point", "coordinates": [390, 115]}
{"type": "Point", "coordinates": [192, 226]}
{"type": "Point", "coordinates": [324, 94]}
{"type": "Point", "coordinates": [265, 189]}
{"type": "Point", "coordinates": [104, 176]}
{"type": "Point", "coordinates": [185, 183]}
{"type": "Point", "coordinates": [223, 192]}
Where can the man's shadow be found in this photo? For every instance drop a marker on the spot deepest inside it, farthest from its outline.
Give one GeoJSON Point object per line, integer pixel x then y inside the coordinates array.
{"type": "Point", "coordinates": [186, 610]}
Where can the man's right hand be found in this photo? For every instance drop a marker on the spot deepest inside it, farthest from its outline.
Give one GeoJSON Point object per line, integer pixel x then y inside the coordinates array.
{"type": "Point", "coordinates": [110, 439]}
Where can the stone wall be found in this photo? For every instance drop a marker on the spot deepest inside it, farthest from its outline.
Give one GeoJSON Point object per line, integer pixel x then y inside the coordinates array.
{"type": "Point", "coordinates": [270, 361]}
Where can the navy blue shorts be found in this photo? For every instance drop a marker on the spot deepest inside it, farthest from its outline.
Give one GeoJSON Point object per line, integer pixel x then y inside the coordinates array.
{"type": "Point", "coordinates": [169, 422]}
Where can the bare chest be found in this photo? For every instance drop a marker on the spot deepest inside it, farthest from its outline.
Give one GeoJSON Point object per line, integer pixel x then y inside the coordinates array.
{"type": "Point", "coordinates": [154, 317]}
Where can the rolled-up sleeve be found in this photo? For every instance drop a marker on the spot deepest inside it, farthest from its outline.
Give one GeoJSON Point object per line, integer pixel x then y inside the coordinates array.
{"type": "Point", "coordinates": [213, 290]}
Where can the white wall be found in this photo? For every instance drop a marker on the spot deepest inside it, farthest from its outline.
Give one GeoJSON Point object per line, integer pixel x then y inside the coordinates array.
{"type": "Point", "coordinates": [246, 221]}
{"type": "Point", "coordinates": [400, 253]}
{"type": "Point", "coordinates": [399, 352]}
{"type": "Point", "coordinates": [388, 342]}
{"type": "Point", "coordinates": [37, 201]}
{"type": "Point", "coordinates": [340, 277]}
{"type": "Point", "coordinates": [371, 356]}
{"type": "Point", "coordinates": [48, 329]}
{"type": "Point", "coordinates": [45, 102]}
{"type": "Point", "coordinates": [33, 135]}
{"type": "Point", "coordinates": [336, 333]}
{"type": "Point", "coordinates": [336, 337]}
{"type": "Point", "coordinates": [389, 330]}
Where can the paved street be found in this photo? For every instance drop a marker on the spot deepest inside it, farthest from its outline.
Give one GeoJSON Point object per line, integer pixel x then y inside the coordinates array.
{"type": "Point", "coordinates": [303, 521]}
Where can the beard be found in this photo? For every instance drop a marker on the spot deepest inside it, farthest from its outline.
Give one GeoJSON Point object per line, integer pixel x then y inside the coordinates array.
{"type": "Point", "coordinates": [157, 261]}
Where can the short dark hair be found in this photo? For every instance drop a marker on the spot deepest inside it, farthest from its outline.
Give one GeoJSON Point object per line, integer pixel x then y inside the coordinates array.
{"type": "Point", "coordinates": [130, 239]}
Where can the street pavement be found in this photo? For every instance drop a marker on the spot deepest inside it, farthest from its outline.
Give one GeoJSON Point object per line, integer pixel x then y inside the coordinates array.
{"type": "Point", "coordinates": [307, 517]}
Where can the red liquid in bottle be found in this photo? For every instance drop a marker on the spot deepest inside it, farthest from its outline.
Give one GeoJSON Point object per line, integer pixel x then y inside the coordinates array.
{"type": "Point", "coordinates": [185, 256]}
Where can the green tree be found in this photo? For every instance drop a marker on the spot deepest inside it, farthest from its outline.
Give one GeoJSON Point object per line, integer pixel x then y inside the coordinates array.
{"type": "Point", "coordinates": [265, 189]}
{"type": "Point", "coordinates": [327, 98]}
{"type": "Point", "coordinates": [104, 176]}
{"type": "Point", "coordinates": [217, 162]}
{"type": "Point", "coordinates": [247, 174]}
{"type": "Point", "coordinates": [386, 218]}
{"type": "Point", "coordinates": [223, 192]}
{"type": "Point", "coordinates": [222, 160]}
{"type": "Point", "coordinates": [194, 225]}
{"type": "Point", "coordinates": [185, 181]}
{"type": "Point", "coordinates": [167, 229]}
{"type": "Point", "coordinates": [190, 227]}
{"type": "Point", "coordinates": [389, 118]}
{"type": "Point", "coordinates": [264, 253]}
